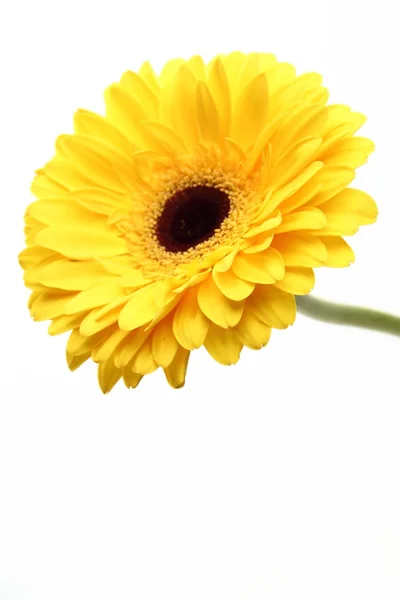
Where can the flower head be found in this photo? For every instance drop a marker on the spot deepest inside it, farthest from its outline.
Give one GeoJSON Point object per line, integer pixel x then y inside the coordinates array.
{"type": "Point", "coordinates": [192, 213]}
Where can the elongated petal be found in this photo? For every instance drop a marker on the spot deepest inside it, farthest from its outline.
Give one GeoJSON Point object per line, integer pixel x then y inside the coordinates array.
{"type": "Point", "coordinates": [207, 114]}
{"type": "Point", "coordinates": [265, 267]}
{"type": "Point", "coordinates": [217, 307]}
{"type": "Point", "coordinates": [232, 286]}
{"type": "Point", "coordinates": [300, 249]}
{"type": "Point", "coordinates": [252, 332]}
{"type": "Point", "coordinates": [273, 307]}
{"type": "Point", "coordinates": [164, 344]}
{"type": "Point", "coordinates": [176, 372]}
{"type": "Point", "coordinates": [190, 325]}
{"type": "Point", "coordinates": [140, 309]}
{"type": "Point", "coordinates": [82, 243]}
{"type": "Point", "coordinates": [339, 252]}
{"type": "Point", "coordinates": [297, 280]}
{"type": "Point", "coordinates": [108, 375]}
{"type": "Point", "coordinates": [223, 345]}
{"type": "Point", "coordinates": [250, 113]}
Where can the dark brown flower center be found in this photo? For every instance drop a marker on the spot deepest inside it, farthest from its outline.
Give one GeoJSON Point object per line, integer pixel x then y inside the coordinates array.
{"type": "Point", "coordinates": [191, 216]}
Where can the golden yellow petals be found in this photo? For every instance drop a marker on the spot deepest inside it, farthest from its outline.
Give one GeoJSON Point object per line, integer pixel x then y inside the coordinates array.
{"type": "Point", "coordinates": [219, 88]}
{"type": "Point", "coordinates": [347, 211]}
{"type": "Point", "coordinates": [339, 252]}
{"type": "Point", "coordinates": [184, 106]}
{"type": "Point", "coordinates": [176, 372]}
{"type": "Point", "coordinates": [48, 306]}
{"type": "Point", "coordinates": [190, 325]}
{"type": "Point", "coordinates": [143, 362]}
{"type": "Point", "coordinates": [223, 345]}
{"type": "Point", "coordinates": [232, 286]}
{"type": "Point", "coordinates": [251, 331]}
{"type": "Point", "coordinates": [207, 114]}
{"type": "Point", "coordinates": [264, 267]}
{"type": "Point", "coordinates": [108, 375]}
{"type": "Point", "coordinates": [164, 344]}
{"type": "Point", "coordinates": [250, 112]}
{"type": "Point", "coordinates": [297, 280]}
{"type": "Point", "coordinates": [137, 87]}
{"type": "Point", "coordinates": [307, 218]}
{"type": "Point", "coordinates": [131, 379]}
{"type": "Point", "coordinates": [93, 297]}
{"type": "Point", "coordinates": [141, 308]}
{"type": "Point", "coordinates": [192, 213]}
{"type": "Point", "coordinates": [273, 306]}
{"type": "Point", "coordinates": [73, 275]}
{"type": "Point", "coordinates": [90, 123]}
{"type": "Point", "coordinates": [81, 243]}
{"type": "Point", "coordinates": [218, 308]}
{"type": "Point", "coordinates": [300, 249]}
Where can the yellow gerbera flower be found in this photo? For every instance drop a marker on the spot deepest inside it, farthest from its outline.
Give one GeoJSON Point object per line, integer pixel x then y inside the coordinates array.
{"type": "Point", "coordinates": [192, 213]}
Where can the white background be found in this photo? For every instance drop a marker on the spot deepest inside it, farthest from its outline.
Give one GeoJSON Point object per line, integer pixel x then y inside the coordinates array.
{"type": "Point", "coordinates": [275, 479]}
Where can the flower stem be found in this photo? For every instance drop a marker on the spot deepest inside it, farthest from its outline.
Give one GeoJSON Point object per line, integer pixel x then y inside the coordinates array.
{"type": "Point", "coordinates": [354, 316]}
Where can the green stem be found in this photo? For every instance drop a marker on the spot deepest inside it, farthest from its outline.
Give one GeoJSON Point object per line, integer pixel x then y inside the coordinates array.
{"type": "Point", "coordinates": [353, 316]}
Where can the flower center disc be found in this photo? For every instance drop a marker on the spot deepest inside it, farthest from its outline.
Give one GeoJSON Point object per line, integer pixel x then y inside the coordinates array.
{"type": "Point", "coordinates": [191, 216]}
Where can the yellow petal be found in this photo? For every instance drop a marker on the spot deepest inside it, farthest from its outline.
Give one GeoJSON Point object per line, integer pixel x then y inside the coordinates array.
{"type": "Point", "coordinates": [109, 345]}
{"type": "Point", "coordinates": [350, 152]}
{"type": "Point", "coordinates": [98, 295]}
{"type": "Point", "coordinates": [232, 286]}
{"type": "Point", "coordinates": [184, 106]}
{"type": "Point", "coordinates": [272, 306]}
{"type": "Point", "coordinates": [80, 344]}
{"type": "Point", "coordinates": [306, 218]}
{"type": "Point", "coordinates": [219, 88]}
{"type": "Point", "coordinates": [293, 162]}
{"type": "Point", "coordinates": [61, 211]}
{"type": "Point", "coordinates": [207, 114]}
{"type": "Point", "coordinates": [131, 379]}
{"type": "Point", "coordinates": [44, 187]}
{"type": "Point", "coordinates": [270, 223]}
{"type": "Point", "coordinates": [339, 252]}
{"type": "Point", "coordinates": [176, 372]}
{"type": "Point", "coordinates": [74, 362]}
{"type": "Point", "coordinates": [33, 255]}
{"type": "Point", "coordinates": [252, 332]}
{"type": "Point", "coordinates": [217, 307]}
{"type": "Point", "coordinates": [223, 345]}
{"type": "Point", "coordinates": [82, 243]}
{"type": "Point", "coordinates": [90, 123]}
{"type": "Point", "coordinates": [126, 114]}
{"type": "Point", "coordinates": [147, 73]}
{"type": "Point", "coordinates": [103, 164]}
{"type": "Point", "coordinates": [48, 306]}
{"type": "Point", "coordinates": [190, 325]}
{"type": "Point", "coordinates": [297, 280]}
{"type": "Point", "coordinates": [144, 362]}
{"type": "Point", "coordinates": [334, 180]}
{"type": "Point", "coordinates": [108, 375]}
{"type": "Point", "coordinates": [164, 344]}
{"type": "Point", "coordinates": [73, 275]}
{"type": "Point", "coordinates": [197, 66]}
{"type": "Point", "coordinates": [102, 317]}
{"type": "Point", "coordinates": [140, 309]}
{"type": "Point", "coordinates": [127, 350]}
{"type": "Point", "coordinates": [300, 249]}
{"type": "Point", "coordinates": [265, 267]}
{"type": "Point", "coordinates": [352, 204]}
{"type": "Point", "coordinates": [141, 92]}
{"type": "Point", "coordinates": [165, 135]}
{"type": "Point", "coordinates": [250, 113]}
{"type": "Point", "coordinates": [65, 323]}
{"type": "Point", "coordinates": [100, 200]}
